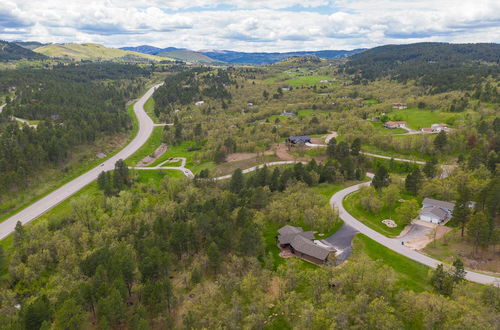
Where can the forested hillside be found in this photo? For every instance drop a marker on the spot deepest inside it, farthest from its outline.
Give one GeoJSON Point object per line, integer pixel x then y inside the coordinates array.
{"type": "Point", "coordinates": [10, 52]}
{"type": "Point", "coordinates": [438, 66]}
{"type": "Point", "coordinates": [72, 105]}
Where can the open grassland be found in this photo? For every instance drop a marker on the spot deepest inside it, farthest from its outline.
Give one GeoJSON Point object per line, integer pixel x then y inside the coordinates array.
{"type": "Point", "coordinates": [298, 79]}
{"type": "Point", "coordinates": [90, 51]}
{"type": "Point", "coordinates": [420, 118]}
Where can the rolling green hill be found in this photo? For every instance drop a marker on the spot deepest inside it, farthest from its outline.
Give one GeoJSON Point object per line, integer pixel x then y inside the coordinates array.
{"type": "Point", "coordinates": [9, 51]}
{"type": "Point", "coordinates": [189, 56]}
{"type": "Point", "coordinates": [93, 52]}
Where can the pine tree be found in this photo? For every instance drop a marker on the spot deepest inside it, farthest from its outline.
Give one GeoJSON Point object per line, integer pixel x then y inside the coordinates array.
{"type": "Point", "coordinates": [413, 181]}
{"type": "Point", "coordinates": [274, 183]}
{"type": "Point", "coordinates": [331, 148]}
{"type": "Point", "coordinates": [441, 141]}
{"type": "Point", "coordinates": [442, 281]}
{"type": "Point", "coordinates": [381, 178]}
{"type": "Point", "coordinates": [430, 168]}
{"type": "Point", "coordinates": [458, 270]}
{"type": "Point", "coordinates": [237, 181]}
{"type": "Point", "coordinates": [356, 147]}
{"type": "Point", "coordinates": [461, 209]}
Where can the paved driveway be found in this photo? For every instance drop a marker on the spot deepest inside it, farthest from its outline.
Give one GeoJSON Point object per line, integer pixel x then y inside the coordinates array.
{"type": "Point", "coordinates": [342, 241]}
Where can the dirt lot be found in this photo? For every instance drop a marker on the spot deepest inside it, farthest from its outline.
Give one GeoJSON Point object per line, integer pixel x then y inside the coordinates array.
{"type": "Point", "coordinates": [243, 156]}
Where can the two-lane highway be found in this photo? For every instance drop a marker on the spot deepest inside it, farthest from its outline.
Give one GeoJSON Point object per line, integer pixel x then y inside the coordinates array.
{"type": "Point", "coordinates": [57, 196]}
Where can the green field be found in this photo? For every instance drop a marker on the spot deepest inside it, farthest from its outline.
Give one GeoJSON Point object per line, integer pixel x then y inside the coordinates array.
{"type": "Point", "coordinates": [297, 79]}
{"type": "Point", "coordinates": [353, 206]}
{"type": "Point", "coordinates": [91, 51]}
{"type": "Point", "coordinates": [418, 118]}
{"type": "Point", "coordinates": [410, 274]}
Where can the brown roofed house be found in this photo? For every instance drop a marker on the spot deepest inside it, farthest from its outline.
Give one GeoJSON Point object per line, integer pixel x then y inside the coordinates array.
{"type": "Point", "coordinates": [301, 243]}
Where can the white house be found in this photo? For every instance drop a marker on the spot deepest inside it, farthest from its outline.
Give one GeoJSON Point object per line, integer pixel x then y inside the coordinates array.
{"type": "Point", "coordinates": [395, 124]}
{"type": "Point", "coordinates": [438, 127]}
{"type": "Point", "coordinates": [199, 103]}
{"type": "Point", "coordinates": [436, 211]}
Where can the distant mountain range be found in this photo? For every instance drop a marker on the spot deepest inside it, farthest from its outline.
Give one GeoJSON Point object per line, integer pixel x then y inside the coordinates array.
{"type": "Point", "coordinates": [233, 57]}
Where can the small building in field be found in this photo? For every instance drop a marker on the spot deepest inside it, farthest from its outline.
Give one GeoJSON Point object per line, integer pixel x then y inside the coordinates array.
{"type": "Point", "coordinates": [288, 113]}
{"type": "Point", "coordinates": [399, 106]}
{"type": "Point", "coordinates": [301, 243]}
{"type": "Point", "coordinates": [436, 211]}
{"type": "Point", "coordinates": [395, 124]}
{"type": "Point", "coordinates": [199, 103]}
{"type": "Point", "coordinates": [298, 139]}
{"type": "Point", "coordinates": [426, 130]}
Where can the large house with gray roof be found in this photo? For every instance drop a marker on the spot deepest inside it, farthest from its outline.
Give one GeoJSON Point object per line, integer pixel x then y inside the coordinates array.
{"type": "Point", "coordinates": [301, 243]}
{"type": "Point", "coordinates": [436, 211]}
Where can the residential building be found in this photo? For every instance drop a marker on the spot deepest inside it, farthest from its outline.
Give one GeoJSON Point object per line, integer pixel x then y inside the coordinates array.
{"type": "Point", "coordinates": [298, 139]}
{"type": "Point", "coordinates": [301, 243]}
{"type": "Point", "coordinates": [199, 103]}
{"type": "Point", "coordinates": [436, 211]}
{"type": "Point", "coordinates": [288, 114]}
{"type": "Point", "coordinates": [395, 124]}
{"type": "Point", "coordinates": [399, 106]}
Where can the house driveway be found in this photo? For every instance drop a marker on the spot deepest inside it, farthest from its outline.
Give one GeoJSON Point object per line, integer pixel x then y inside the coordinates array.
{"type": "Point", "coordinates": [342, 241]}
{"type": "Point", "coordinates": [415, 231]}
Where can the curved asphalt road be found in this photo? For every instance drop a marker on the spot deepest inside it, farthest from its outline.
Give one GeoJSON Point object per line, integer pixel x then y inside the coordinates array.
{"type": "Point", "coordinates": [394, 243]}
{"type": "Point", "coordinates": [57, 196]}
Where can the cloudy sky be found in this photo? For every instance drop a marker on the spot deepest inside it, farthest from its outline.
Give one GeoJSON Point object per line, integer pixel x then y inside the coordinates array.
{"type": "Point", "coordinates": [251, 25]}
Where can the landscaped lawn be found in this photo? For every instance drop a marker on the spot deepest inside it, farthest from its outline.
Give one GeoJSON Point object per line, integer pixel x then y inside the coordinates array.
{"type": "Point", "coordinates": [411, 274]}
{"type": "Point", "coordinates": [353, 206]}
{"type": "Point", "coordinates": [419, 118]}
